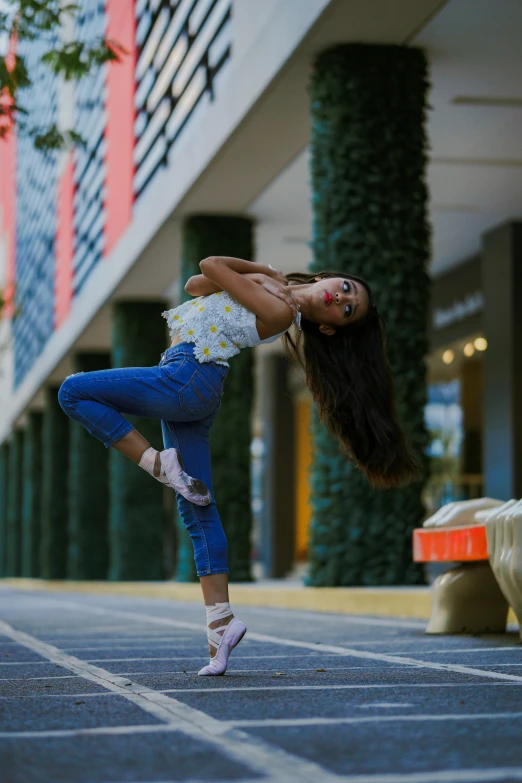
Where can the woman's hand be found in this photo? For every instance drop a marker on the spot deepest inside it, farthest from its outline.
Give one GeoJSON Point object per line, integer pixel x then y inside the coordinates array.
{"type": "Point", "coordinates": [275, 274]}
{"type": "Point", "coordinates": [280, 289]}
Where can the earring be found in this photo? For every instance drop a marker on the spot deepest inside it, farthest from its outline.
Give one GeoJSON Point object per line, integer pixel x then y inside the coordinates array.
{"type": "Point", "coordinates": [298, 318]}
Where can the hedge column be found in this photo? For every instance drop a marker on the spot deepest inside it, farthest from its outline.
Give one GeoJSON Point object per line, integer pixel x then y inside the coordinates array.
{"type": "Point", "coordinates": [14, 506]}
{"type": "Point", "coordinates": [207, 235]}
{"type": "Point", "coordinates": [136, 500]}
{"type": "Point", "coordinates": [4, 464]}
{"type": "Point", "coordinates": [55, 505]}
{"type": "Point", "coordinates": [88, 556]}
{"type": "Point", "coordinates": [368, 163]}
{"type": "Point", "coordinates": [32, 496]}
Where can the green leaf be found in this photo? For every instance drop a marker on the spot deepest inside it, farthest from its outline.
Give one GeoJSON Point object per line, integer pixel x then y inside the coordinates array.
{"type": "Point", "coordinates": [13, 78]}
{"type": "Point", "coordinates": [75, 60]}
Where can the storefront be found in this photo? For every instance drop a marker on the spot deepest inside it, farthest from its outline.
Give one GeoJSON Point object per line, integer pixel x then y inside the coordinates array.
{"type": "Point", "coordinates": [455, 366]}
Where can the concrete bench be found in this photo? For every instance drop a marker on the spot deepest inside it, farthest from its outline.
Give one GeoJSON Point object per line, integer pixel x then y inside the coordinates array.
{"type": "Point", "coordinates": [474, 596]}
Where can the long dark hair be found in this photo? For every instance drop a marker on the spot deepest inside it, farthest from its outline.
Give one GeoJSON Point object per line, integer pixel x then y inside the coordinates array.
{"type": "Point", "coordinates": [349, 377]}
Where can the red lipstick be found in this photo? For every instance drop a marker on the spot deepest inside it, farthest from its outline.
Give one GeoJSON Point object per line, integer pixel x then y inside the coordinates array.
{"type": "Point", "coordinates": [328, 297]}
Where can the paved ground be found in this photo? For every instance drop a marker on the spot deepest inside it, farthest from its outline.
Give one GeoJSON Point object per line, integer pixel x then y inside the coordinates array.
{"type": "Point", "coordinates": [104, 690]}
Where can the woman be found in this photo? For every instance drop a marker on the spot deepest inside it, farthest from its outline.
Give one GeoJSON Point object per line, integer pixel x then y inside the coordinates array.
{"type": "Point", "coordinates": [241, 304]}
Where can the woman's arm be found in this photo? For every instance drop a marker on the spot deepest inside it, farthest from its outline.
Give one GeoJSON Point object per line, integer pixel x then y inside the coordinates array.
{"type": "Point", "coordinates": [230, 274]}
{"type": "Point", "coordinates": [199, 285]}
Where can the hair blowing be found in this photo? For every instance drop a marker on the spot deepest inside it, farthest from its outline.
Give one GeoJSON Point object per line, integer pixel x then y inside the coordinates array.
{"type": "Point", "coordinates": [349, 377]}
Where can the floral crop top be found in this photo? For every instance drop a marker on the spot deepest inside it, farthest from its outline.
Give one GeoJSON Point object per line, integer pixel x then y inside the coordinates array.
{"type": "Point", "coordinates": [217, 325]}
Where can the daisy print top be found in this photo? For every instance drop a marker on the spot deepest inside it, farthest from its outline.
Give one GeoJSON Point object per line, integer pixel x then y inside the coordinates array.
{"type": "Point", "coordinates": [217, 325]}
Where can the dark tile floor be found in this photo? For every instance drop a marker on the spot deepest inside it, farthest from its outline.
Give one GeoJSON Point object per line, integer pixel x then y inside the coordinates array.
{"type": "Point", "coordinates": [99, 689]}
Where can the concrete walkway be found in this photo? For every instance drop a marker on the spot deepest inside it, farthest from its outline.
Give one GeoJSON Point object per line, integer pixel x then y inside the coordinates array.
{"type": "Point", "coordinates": [103, 689]}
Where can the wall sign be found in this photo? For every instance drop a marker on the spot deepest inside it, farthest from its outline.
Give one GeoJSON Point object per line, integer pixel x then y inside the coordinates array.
{"type": "Point", "coordinates": [458, 310]}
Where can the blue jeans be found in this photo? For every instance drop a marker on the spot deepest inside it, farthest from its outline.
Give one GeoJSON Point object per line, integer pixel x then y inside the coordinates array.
{"type": "Point", "coordinates": [186, 396]}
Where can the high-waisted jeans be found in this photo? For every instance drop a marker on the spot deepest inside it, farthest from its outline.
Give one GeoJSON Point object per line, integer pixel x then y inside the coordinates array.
{"type": "Point", "coordinates": [186, 396]}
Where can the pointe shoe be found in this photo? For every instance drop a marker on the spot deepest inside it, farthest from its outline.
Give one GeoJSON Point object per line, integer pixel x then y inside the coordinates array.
{"type": "Point", "coordinates": [233, 634]}
{"type": "Point", "coordinates": [192, 489]}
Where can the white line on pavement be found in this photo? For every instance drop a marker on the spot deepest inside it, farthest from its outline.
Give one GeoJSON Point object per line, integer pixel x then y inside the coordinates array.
{"type": "Point", "coordinates": [312, 669]}
{"type": "Point", "coordinates": [497, 775]}
{"type": "Point", "coordinates": [49, 677]}
{"type": "Point", "coordinates": [281, 641]}
{"type": "Point", "coordinates": [116, 639]}
{"type": "Point", "coordinates": [58, 733]}
{"type": "Point", "coordinates": [255, 754]}
{"type": "Point", "coordinates": [426, 639]}
{"type": "Point", "coordinates": [101, 647]}
{"type": "Point", "coordinates": [309, 656]}
{"type": "Point", "coordinates": [278, 688]}
{"type": "Point", "coordinates": [238, 657]}
{"type": "Point", "coordinates": [295, 722]}
{"type": "Point", "coordinates": [23, 663]}
{"type": "Point", "coordinates": [481, 665]}
{"type": "Point", "coordinates": [348, 619]}
{"type": "Point", "coordinates": [72, 632]}
{"type": "Point", "coordinates": [441, 776]}
{"type": "Point", "coordinates": [446, 651]}
{"type": "Point", "coordinates": [127, 660]}
{"type": "Point", "coordinates": [365, 686]}
{"type": "Point", "coordinates": [120, 646]}
{"type": "Point", "coordinates": [384, 705]}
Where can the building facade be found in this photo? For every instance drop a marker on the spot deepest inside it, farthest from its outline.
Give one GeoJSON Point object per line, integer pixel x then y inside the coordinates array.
{"type": "Point", "coordinates": [208, 114]}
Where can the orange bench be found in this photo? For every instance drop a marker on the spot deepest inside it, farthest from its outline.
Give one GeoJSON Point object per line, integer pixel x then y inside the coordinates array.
{"type": "Point", "coordinates": [450, 544]}
{"type": "Point", "coordinates": [466, 598]}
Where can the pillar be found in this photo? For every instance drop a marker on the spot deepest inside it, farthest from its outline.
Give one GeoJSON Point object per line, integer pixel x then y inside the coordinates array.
{"type": "Point", "coordinates": [14, 506]}
{"type": "Point", "coordinates": [368, 162]}
{"type": "Point", "coordinates": [88, 534]}
{"type": "Point", "coordinates": [32, 495]}
{"type": "Point", "coordinates": [278, 526]}
{"type": "Point", "coordinates": [136, 500]}
{"type": "Point", "coordinates": [206, 235]}
{"type": "Point", "coordinates": [502, 371]}
{"type": "Point", "coordinates": [4, 464]}
{"type": "Point", "coordinates": [55, 501]}
{"type": "Point", "coordinates": [471, 400]}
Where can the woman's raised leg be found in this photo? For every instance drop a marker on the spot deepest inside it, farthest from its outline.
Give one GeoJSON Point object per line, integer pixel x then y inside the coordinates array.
{"type": "Point", "coordinates": [133, 446]}
{"type": "Point", "coordinates": [97, 400]}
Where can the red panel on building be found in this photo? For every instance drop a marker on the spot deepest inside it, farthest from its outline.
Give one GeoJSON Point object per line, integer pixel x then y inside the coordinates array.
{"type": "Point", "coordinates": [64, 244]}
{"type": "Point", "coordinates": [119, 130]}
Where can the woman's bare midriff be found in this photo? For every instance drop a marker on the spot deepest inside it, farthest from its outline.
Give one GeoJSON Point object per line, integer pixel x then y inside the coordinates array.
{"type": "Point", "coordinates": [176, 341]}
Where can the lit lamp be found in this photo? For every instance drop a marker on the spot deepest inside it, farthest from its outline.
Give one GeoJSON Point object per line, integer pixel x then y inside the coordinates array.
{"type": "Point", "coordinates": [481, 343]}
{"type": "Point", "coordinates": [469, 349]}
{"type": "Point", "coordinates": [448, 356]}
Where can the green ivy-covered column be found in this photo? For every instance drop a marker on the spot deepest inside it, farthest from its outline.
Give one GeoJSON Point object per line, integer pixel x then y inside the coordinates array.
{"type": "Point", "coordinates": [136, 500]}
{"type": "Point", "coordinates": [368, 162]}
{"type": "Point", "coordinates": [55, 500]}
{"type": "Point", "coordinates": [32, 495]}
{"type": "Point", "coordinates": [14, 506]}
{"type": "Point", "coordinates": [88, 555]}
{"type": "Point", "coordinates": [206, 235]}
{"type": "Point", "coordinates": [4, 467]}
